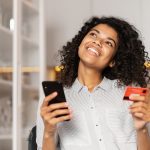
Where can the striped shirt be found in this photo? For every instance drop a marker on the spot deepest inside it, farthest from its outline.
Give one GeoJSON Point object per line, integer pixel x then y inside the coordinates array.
{"type": "Point", "coordinates": [101, 119]}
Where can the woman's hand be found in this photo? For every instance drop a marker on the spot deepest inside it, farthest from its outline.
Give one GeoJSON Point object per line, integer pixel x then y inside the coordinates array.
{"type": "Point", "coordinates": [140, 110]}
{"type": "Point", "coordinates": [53, 114]}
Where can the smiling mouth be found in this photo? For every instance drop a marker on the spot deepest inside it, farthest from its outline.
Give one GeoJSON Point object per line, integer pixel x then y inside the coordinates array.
{"type": "Point", "coordinates": [93, 51]}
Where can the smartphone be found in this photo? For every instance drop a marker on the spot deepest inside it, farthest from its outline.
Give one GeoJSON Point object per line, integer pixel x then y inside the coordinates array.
{"type": "Point", "coordinates": [54, 86]}
{"type": "Point", "coordinates": [134, 90]}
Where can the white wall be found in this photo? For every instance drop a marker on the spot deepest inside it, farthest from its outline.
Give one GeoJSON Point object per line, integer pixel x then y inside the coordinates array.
{"type": "Point", "coordinates": [134, 11]}
{"type": "Point", "coordinates": [65, 17]}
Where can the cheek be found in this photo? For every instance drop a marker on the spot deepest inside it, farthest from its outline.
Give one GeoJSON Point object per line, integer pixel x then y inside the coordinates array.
{"type": "Point", "coordinates": [107, 57]}
{"type": "Point", "coordinates": [81, 48]}
{"type": "Point", "coordinates": [80, 52]}
{"type": "Point", "coordinates": [110, 53]}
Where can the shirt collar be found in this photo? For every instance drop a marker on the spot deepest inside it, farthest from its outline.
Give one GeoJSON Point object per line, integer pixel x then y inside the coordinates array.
{"type": "Point", "coordinates": [105, 84]}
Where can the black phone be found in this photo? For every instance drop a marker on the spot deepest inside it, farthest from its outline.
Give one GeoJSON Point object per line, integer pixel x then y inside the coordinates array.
{"type": "Point", "coordinates": [54, 86]}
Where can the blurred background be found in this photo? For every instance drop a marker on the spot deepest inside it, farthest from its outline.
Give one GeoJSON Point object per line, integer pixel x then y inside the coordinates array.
{"type": "Point", "coordinates": [31, 33]}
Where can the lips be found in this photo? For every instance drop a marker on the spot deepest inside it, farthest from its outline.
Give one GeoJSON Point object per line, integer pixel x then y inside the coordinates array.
{"type": "Point", "coordinates": [93, 51]}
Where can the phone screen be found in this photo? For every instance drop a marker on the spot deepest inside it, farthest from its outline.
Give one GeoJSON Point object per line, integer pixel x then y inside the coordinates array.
{"type": "Point", "coordinates": [54, 86]}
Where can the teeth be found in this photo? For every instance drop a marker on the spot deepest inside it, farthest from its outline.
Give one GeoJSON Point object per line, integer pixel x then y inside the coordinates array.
{"type": "Point", "coordinates": [93, 50]}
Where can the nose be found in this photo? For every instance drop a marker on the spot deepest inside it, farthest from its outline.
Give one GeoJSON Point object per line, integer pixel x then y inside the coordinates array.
{"type": "Point", "coordinates": [98, 43]}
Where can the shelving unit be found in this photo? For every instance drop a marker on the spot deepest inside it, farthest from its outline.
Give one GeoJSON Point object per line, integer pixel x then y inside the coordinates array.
{"type": "Point", "coordinates": [28, 44]}
{"type": "Point", "coordinates": [5, 49]}
{"type": "Point", "coordinates": [9, 136]}
{"type": "Point", "coordinates": [22, 69]}
{"type": "Point", "coordinates": [29, 9]}
{"type": "Point", "coordinates": [6, 137]}
{"type": "Point", "coordinates": [5, 87]}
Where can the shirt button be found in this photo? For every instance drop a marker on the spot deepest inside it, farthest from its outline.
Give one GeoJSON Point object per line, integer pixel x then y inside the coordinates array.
{"type": "Point", "coordinates": [92, 107]}
{"type": "Point", "coordinates": [100, 139]}
{"type": "Point", "coordinates": [97, 125]}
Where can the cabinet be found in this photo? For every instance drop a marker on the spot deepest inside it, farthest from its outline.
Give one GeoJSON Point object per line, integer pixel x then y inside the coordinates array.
{"type": "Point", "coordinates": [22, 68]}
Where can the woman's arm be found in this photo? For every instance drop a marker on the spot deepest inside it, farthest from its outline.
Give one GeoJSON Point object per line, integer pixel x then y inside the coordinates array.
{"type": "Point", "coordinates": [49, 141]}
{"type": "Point", "coordinates": [143, 139]}
{"type": "Point", "coordinates": [52, 115]}
{"type": "Point", "coordinates": [140, 110]}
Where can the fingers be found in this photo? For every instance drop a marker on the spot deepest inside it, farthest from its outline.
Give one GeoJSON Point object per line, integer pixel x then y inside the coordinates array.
{"type": "Point", "coordinates": [48, 110]}
{"type": "Point", "coordinates": [49, 98]}
{"type": "Point", "coordinates": [55, 106]}
{"type": "Point", "coordinates": [56, 120]}
{"type": "Point", "coordinates": [139, 109]}
{"type": "Point", "coordinates": [139, 105]}
{"type": "Point", "coordinates": [55, 113]}
{"type": "Point", "coordinates": [137, 98]}
{"type": "Point", "coordinates": [57, 116]}
{"type": "Point", "coordinates": [147, 117]}
{"type": "Point", "coordinates": [60, 112]}
{"type": "Point", "coordinates": [144, 98]}
{"type": "Point", "coordinates": [139, 115]}
{"type": "Point", "coordinates": [144, 117]}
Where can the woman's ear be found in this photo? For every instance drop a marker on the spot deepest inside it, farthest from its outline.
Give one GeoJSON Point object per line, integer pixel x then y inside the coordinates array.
{"type": "Point", "coordinates": [112, 64]}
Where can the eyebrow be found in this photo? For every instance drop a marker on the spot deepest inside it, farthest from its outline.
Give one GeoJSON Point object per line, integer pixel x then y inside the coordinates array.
{"type": "Point", "coordinates": [108, 37]}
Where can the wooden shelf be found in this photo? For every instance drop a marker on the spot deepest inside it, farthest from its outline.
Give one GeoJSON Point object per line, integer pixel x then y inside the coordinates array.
{"type": "Point", "coordinates": [24, 69]}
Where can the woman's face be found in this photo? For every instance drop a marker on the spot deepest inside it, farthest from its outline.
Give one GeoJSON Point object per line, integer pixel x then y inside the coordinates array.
{"type": "Point", "coordinates": [98, 47]}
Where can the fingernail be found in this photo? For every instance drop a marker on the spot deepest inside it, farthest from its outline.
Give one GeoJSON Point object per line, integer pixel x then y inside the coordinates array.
{"type": "Point", "coordinates": [66, 104]}
{"type": "Point", "coordinates": [55, 93]}
{"type": "Point", "coordinates": [131, 96]}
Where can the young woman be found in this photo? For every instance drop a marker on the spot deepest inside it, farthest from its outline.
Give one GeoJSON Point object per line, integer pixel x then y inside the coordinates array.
{"type": "Point", "coordinates": [101, 60]}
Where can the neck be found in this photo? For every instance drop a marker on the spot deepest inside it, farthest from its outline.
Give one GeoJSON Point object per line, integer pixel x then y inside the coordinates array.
{"type": "Point", "coordinates": [90, 77]}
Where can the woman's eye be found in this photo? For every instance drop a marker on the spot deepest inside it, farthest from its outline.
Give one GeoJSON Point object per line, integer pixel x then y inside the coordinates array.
{"type": "Point", "coordinates": [109, 43]}
{"type": "Point", "coordinates": [93, 34]}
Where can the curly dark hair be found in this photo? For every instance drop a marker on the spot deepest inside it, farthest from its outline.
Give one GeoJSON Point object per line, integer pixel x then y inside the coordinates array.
{"type": "Point", "coordinates": [129, 60]}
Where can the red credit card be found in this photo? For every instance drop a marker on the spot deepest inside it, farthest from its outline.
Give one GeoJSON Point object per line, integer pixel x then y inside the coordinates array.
{"type": "Point", "coordinates": [135, 91]}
